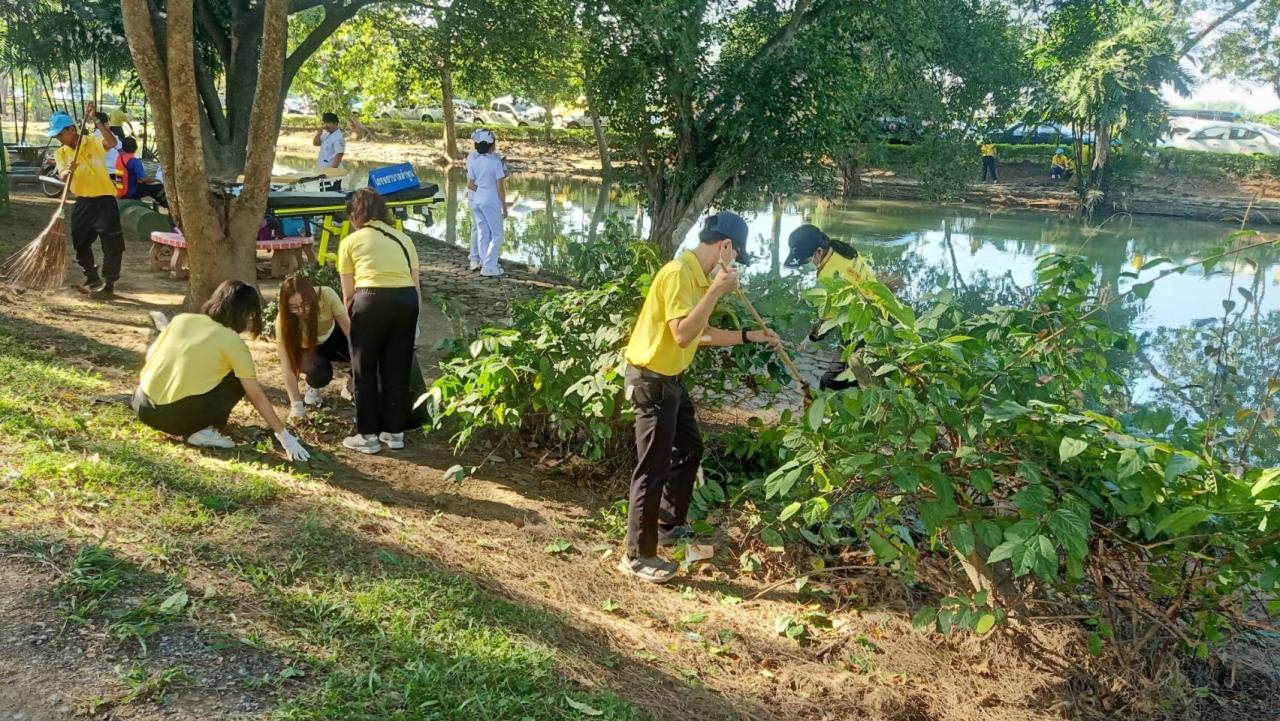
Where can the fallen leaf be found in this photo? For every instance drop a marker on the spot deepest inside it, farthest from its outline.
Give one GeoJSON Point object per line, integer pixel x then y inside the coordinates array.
{"type": "Point", "coordinates": [582, 708]}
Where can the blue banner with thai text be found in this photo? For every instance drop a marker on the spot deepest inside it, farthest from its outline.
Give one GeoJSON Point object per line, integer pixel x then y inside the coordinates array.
{"type": "Point", "coordinates": [393, 178]}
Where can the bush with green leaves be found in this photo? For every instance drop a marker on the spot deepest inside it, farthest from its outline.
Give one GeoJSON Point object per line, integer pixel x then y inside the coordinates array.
{"type": "Point", "coordinates": [994, 444]}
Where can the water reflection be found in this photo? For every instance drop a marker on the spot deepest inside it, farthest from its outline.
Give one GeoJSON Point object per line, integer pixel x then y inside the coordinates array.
{"type": "Point", "coordinates": [964, 241]}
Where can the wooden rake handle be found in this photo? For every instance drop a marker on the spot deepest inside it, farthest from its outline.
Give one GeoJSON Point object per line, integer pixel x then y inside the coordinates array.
{"type": "Point", "coordinates": [782, 353]}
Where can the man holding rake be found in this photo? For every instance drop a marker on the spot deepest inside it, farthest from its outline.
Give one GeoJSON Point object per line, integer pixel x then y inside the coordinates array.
{"type": "Point", "coordinates": [82, 162]}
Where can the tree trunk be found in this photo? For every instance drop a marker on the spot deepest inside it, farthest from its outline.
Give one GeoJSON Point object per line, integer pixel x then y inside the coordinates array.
{"type": "Point", "coordinates": [775, 246]}
{"type": "Point", "coordinates": [602, 205]}
{"type": "Point", "coordinates": [547, 103]}
{"type": "Point", "coordinates": [851, 173]}
{"type": "Point", "coordinates": [451, 153]}
{"type": "Point", "coordinates": [450, 206]}
{"type": "Point", "coordinates": [672, 217]}
{"type": "Point", "coordinates": [602, 141]}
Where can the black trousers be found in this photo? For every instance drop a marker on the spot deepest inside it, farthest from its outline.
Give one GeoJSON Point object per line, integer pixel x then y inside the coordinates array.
{"type": "Point", "coordinates": [154, 191]}
{"type": "Point", "coordinates": [989, 165]}
{"type": "Point", "coordinates": [383, 321]}
{"type": "Point", "coordinates": [334, 348]}
{"type": "Point", "coordinates": [91, 219]}
{"type": "Point", "coordinates": [831, 380]}
{"type": "Point", "coordinates": [193, 413]}
{"type": "Point", "coordinates": [669, 449]}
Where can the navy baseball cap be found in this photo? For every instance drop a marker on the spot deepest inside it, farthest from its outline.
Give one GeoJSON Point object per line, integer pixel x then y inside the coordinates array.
{"type": "Point", "coordinates": [803, 241]}
{"type": "Point", "coordinates": [727, 224]}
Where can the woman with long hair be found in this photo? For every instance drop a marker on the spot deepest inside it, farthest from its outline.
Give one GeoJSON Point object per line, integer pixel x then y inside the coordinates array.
{"type": "Point", "coordinates": [378, 265]}
{"type": "Point", "coordinates": [199, 369]}
{"type": "Point", "coordinates": [312, 328]}
{"type": "Point", "coordinates": [832, 259]}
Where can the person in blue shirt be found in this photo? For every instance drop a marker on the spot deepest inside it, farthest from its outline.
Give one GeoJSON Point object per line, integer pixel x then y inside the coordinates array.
{"type": "Point", "coordinates": [135, 184]}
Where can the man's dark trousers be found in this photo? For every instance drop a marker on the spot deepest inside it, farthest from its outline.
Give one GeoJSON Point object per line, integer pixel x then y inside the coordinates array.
{"type": "Point", "coordinates": [93, 218]}
{"type": "Point", "coordinates": [669, 449]}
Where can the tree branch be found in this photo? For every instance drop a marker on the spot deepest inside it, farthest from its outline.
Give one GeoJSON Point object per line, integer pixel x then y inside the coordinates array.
{"type": "Point", "coordinates": [215, 30]}
{"type": "Point", "coordinates": [142, 33]}
{"type": "Point", "coordinates": [334, 16]}
{"type": "Point", "coordinates": [264, 120]}
{"type": "Point", "coordinates": [188, 142]}
{"type": "Point", "coordinates": [1199, 37]}
{"type": "Point", "coordinates": [213, 111]}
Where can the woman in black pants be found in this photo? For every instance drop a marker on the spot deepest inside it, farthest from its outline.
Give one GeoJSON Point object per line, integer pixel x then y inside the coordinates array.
{"type": "Point", "coordinates": [379, 269]}
{"type": "Point", "coordinates": [312, 328]}
{"type": "Point", "coordinates": [199, 369]}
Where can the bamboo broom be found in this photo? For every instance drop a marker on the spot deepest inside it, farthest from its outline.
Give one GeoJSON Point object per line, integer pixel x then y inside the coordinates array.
{"type": "Point", "coordinates": [805, 391]}
{"type": "Point", "coordinates": [42, 263]}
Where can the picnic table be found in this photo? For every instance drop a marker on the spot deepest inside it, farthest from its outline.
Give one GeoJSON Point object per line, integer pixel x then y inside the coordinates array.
{"type": "Point", "coordinates": [287, 254]}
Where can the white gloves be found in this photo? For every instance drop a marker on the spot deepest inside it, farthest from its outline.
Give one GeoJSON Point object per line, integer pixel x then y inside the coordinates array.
{"type": "Point", "coordinates": [297, 411]}
{"type": "Point", "coordinates": [292, 447]}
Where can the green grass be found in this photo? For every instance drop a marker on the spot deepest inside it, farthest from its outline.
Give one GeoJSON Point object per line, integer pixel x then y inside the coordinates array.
{"type": "Point", "coordinates": [386, 635]}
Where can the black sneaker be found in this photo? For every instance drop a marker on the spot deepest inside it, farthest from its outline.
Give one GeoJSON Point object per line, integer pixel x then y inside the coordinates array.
{"type": "Point", "coordinates": [106, 292]}
{"type": "Point", "coordinates": [673, 536]}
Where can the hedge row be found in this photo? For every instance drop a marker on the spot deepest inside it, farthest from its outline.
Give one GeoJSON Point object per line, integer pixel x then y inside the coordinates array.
{"type": "Point", "coordinates": [420, 132]}
{"type": "Point", "coordinates": [1174, 161]}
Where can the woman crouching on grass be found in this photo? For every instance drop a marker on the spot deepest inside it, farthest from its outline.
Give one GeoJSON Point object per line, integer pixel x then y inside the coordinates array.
{"type": "Point", "coordinates": [379, 269]}
{"type": "Point", "coordinates": [200, 367]}
{"type": "Point", "coordinates": [312, 328]}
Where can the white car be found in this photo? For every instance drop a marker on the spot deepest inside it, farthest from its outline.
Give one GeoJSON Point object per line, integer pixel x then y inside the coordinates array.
{"type": "Point", "coordinates": [433, 113]}
{"type": "Point", "coordinates": [498, 118]}
{"type": "Point", "coordinates": [579, 119]}
{"type": "Point", "coordinates": [525, 112]}
{"type": "Point", "coordinates": [294, 105]}
{"type": "Point", "coordinates": [1218, 137]}
{"type": "Point", "coordinates": [411, 112]}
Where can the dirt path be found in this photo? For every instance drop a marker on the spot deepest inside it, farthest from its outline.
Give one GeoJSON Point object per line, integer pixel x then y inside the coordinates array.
{"type": "Point", "coordinates": [694, 649]}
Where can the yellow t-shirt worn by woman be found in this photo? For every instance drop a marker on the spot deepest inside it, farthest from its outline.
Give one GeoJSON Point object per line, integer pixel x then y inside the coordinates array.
{"type": "Point", "coordinates": [375, 255]}
{"type": "Point", "coordinates": [192, 356]}
{"type": "Point", "coordinates": [328, 305]}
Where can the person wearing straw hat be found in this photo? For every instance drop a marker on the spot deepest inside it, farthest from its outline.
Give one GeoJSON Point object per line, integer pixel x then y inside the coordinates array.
{"type": "Point", "coordinates": [672, 324]}
{"type": "Point", "coordinates": [485, 173]}
{"type": "Point", "coordinates": [812, 249]}
{"type": "Point", "coordinates": [82, 161]}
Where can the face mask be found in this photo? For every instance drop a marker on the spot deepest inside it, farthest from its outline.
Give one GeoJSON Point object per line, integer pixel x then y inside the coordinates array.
{"type": "Point", "coordinates": [809, 267]}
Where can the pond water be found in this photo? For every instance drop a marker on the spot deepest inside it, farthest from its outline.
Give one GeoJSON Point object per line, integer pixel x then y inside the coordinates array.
{"type": "Point", "coordinates": [964, 241]}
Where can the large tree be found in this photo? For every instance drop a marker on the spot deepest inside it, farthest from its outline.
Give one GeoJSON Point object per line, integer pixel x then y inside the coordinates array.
{"type": "Point", "coordinates": [723, 95]}
{"type": "Point", "coordinates": [215, 71]}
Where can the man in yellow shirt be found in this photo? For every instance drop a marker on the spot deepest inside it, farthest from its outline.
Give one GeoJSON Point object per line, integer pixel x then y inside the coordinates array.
{"type": "Point", "coordinates": [671, 326]}
{"type": "Point", "coordinates": [95, 213]}
{"type": "Point", "coordinates": [1061, 167]}
{"type": "Point", "coordinates": [988, 151]}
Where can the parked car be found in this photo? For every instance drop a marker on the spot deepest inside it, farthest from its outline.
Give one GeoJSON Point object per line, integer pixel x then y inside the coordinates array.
{"type": "Point", "coordinates": [575, 119]}
{"type": "Point", "coordinates": [1043, 134]}
{"type": "Point", "coordinates": [526, 112]}
{"type": "Point", "coordinates": [407, 112]}
{"type": "Point", "coordinates": [295, 105]}
{"type": "Point", "coordinates": [498, 118]}
{"type": "Point", "coordinates": [1217, 137]}
{"type": "Point", "coordinates": [434, 113]}
{"type": "Point", "coordinates": [1225, 116]}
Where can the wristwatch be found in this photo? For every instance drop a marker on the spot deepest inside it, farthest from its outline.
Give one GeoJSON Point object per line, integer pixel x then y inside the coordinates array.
{"type": "Point", "coordinates": [744, 337]}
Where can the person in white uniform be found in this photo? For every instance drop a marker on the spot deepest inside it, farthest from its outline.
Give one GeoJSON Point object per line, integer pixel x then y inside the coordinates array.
{"type": "Point", "coordinates": [489, 203]}
{"type": "Point", "coordinates": [474, 255]}
{"type": "Point", "coordinates": [330, 140]}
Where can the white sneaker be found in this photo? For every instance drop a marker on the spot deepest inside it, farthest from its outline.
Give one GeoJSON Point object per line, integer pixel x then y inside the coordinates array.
{"type": "Point", "coordinates": [492, 273]}
{"type": "Point", "coordinates": [312, 396]}
{"type": "Point", "coordinates": [394, 441]}
{"type": "Point", "coordinates": [475, 265]}
{"type": "Point", "coordinates": [347, 389]}
{"type": "Point", "coordinates": [210, 438]}
{"type": "Point", "coordinates": [362, 444]}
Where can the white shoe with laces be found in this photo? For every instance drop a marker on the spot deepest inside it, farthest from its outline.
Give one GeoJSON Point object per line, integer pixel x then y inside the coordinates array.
{"type": "Point", "coordinates": [348, 389]}
{"type": "Point", "coordinates": [394, 441]}
{"type": "Point", "coordinates": [210, 438]}
{"type": "Point", "coordinates": [362, 444]}
{"type": "Point", "coordinates": [492, 273]}
{"type": "Point", "coordinates": [475, 265]}
{"type": "Point", "coordinates": [312, 397]}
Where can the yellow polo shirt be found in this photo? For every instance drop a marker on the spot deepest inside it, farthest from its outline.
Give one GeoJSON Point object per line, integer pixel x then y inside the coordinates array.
{"type": "Point", "coordinates": [92, 178]}
{"type": "Point", "coordinates": [378, 261]}
{"type": "Point", "coordinates": [328, 305]}
{"type": "Point", "coordinates": [675, 290]}
{"type": "Point", "coordinates": [851, 270]}
{"type": "Point", "coordinates": [988, 150]}
{"type": "Point", "coordinates": [192, 356]}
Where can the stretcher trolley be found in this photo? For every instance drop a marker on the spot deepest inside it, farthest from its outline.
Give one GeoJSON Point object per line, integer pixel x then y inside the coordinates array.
{"type": "Point", "coordinates": [292, 213]}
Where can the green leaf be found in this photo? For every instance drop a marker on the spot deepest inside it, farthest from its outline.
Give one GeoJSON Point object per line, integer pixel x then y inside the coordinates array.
{"type": "Point", "coordinates": [813, 418]}
{"type": "Point", "coordinates": [962, 538]}
{"type": "Point", "coordinates": [792, 509]}
{"type": "Point", "coordinates": [1006, 411]}
{"type": "Point", "coordinates": [1130, 463]}
{"type": "Point", "coordinates": [583, 708]}
{"type": "Point", "coordinates": [1142, 290]}
{"type": "Point", "coordinates": [1175, 523]}
{"type": "Point", "coordinates": [780, 482]}
{"type": "Point", "coordinates": [610, 606]}
{"type": "Point", "coordinates": [983, 480]}
{"type": "Point", "coordinates": [1004, 551]}
{"type": "Point", "coordinates": [885, 552]}
{"type": "Point", "coordinates": [1071, 530]}
{"type": "Point", "coordinates": [956, 339]}
{"type": "Point", "coordinates": [1154, 262]}
{"type": "Point", "coordinates": [924, 618]}
{"type": "Point", "coordinates": [1046, 559]}
{"type": "Point", "coordinates": [1033, 499]}
{"type": "Point", "coordinates": [985, 623]}
{"type": "Point", "coordinates": [558, 546]}
{"type": "Point", "coordinates": [989, 533]}
{"type": "Point", "coordinates": [1267, 487]}
{"type": "Point", "coordinates": [174, 603]}
{"type": "Point", "coordinates": [1179, 465]}
{"type": "Point", "coordinates": [772, 540]}
{"type": "Point", "coordinates": [692, 618]}
{"type": "Point", "coordinates": [1095, 644]}
{"type": "Point", "coordinates": [456, 474]}
{"type": "Point", "coordinates": [1070, 448]}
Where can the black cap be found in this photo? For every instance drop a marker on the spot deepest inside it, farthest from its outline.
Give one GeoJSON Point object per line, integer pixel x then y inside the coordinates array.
{"type": "Point", "coordinates": [727, 224]}
{"type": "Point", "coordinates": [803, 241]}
